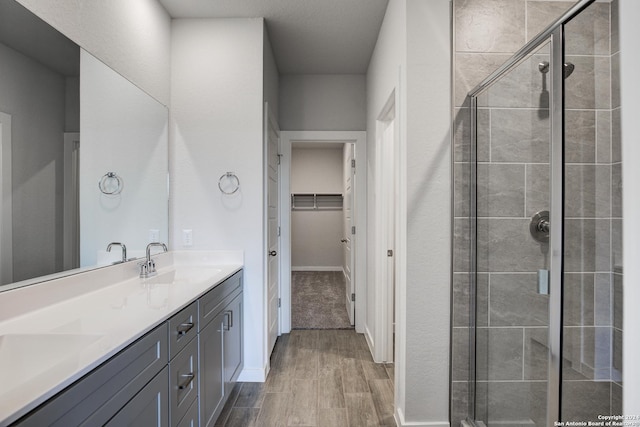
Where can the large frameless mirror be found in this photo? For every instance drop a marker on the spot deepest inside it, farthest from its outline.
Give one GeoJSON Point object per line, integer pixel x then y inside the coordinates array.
{"type": "Point", "coordinates": [84, 156]}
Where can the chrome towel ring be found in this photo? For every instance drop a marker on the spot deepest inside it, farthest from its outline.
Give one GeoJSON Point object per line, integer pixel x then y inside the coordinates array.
{"type": "Point", "coordinates": [229, 183]}
{"type": "Point", "coordinates": [111, 184]}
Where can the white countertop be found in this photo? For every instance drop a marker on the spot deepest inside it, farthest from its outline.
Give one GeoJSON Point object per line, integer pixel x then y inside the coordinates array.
{"type": "Point", "coordinates": [53, 333]}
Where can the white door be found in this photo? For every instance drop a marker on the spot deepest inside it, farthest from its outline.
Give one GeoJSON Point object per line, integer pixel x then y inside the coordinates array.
{"type": "Point", "coordinates": [273, 235]}
{"type": "Point", "coordinates": [6, 225]}
{"type": "Point", "coordinates": [389, 203]}
{"type": "Point", "coordinates": [348, 237]}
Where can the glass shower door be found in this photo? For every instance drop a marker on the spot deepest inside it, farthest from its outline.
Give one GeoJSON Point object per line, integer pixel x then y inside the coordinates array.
{"type": "Point", "coordinates": [512, 204]}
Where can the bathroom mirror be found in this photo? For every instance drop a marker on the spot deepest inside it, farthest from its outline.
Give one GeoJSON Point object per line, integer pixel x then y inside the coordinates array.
{"type": "Point", "coordinates": [68, 126]}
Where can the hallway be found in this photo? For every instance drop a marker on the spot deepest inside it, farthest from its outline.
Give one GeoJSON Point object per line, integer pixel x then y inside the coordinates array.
{"type": "Point", "coordinates": [317, 378]}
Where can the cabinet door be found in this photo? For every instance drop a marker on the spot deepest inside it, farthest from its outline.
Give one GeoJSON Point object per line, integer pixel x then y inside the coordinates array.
{"type": "Point", "coordinates": [211, 371]}
{"type": "Point", "coordinates": [149, 408]}
{"type": "Point", "coordinates": [232, 342]}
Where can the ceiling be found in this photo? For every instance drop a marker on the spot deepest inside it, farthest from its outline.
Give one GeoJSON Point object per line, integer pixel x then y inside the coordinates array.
{"type": "Point", "coordinates": [308, 36]}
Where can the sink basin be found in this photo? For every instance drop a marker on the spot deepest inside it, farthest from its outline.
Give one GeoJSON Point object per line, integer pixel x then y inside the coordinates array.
{"type": "Point", "coordinates": [183, 275]}
{"type": "Point", "coordinates": [24, 357]}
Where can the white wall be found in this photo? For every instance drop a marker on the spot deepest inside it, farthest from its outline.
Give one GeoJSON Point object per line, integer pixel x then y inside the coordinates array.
{"type": "Point", "coordinates": [412, 57]}
{"type": "Point", "coordinates": [133, 38]}
{"type": "Point", "coordinates": [322, 102]}
{"type": "Point", "coordinates": [630, 70]}
{"type": "Point", "coordinates": [315, 235]}
{"type": "Point", "coordinates": [216, 126]}
{"type": "Point", "coordinates": [30, 90]}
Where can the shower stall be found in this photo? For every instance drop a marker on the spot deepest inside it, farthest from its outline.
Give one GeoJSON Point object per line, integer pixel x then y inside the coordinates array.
{"type": "Point", "coordinates": [537, 331]}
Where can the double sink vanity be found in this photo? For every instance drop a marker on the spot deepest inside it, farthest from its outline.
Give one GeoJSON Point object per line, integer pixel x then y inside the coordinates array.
{"type": "Point", "coordinates": [107, 347]}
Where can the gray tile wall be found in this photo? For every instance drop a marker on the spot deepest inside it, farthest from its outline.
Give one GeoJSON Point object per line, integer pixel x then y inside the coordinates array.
{"type": "Point", "coordinates": [513, 184]}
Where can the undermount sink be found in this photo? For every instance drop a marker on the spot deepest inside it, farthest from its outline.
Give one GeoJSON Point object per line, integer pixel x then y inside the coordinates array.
{"type": "Point", "coordinates": [183, 275]}
{"type": "Point", "coordinates": [26, 356]}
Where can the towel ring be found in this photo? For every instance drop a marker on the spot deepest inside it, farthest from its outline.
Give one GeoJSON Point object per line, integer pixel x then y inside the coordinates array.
{"type": "Point", "coordinates": [110, 184]}
{"type": "Point", "coordinates": [229, 183]}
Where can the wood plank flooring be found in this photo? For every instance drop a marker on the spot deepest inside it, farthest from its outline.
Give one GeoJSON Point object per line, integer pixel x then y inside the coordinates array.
{"type": "Point", "coordinates": [323, 378]}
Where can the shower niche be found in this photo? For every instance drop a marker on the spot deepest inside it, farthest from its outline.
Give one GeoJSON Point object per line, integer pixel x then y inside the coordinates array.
{"type": "Point", "coordinates": [537, 333]}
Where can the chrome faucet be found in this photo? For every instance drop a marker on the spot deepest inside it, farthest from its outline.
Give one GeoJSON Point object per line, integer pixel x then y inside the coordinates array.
{"type": "Point", "coordinates": [122, 246]}
{"type": "Point", "coordinates": [148, 267]}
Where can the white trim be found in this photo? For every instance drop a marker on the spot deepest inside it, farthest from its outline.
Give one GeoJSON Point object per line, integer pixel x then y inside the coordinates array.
{"type": "Point", "coordinates": [360, 141]}
{"type": "Point", "coordinates": [401, 422]}
{"type": "Point", "coordinates": [253, 375]}
{"type": "Point", "coordinates": [317, 268]}
{"type": "Point", "coordinates": [6, 214]}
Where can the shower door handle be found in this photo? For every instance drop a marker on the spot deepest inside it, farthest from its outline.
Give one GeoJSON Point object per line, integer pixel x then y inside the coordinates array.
{"type": "Point", "coordinates": [543, 282]}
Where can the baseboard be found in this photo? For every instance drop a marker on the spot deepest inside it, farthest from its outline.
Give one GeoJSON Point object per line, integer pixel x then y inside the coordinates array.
{"type": "Point", "coordinates": [316, 268]}
{"type": "Point", "coordinates": [253, 375]}
{"type": "Point", "coordinates": [400, 421]}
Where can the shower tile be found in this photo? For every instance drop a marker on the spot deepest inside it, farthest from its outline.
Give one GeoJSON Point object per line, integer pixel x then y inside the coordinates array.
{"type": "Point", "coordinates": [519, 136]}
{"type": "Point", "coordinates": [615, 80]}
{"type": "Point", "coordinates": [584, 400]}
{"type": "Point", "coordinates": [489, 25]}
{"type": "Point", "coordinates": [578, 299]}
{"type": "Point", "coordinates": [523, 87]}
{"type": "Point", "coordinates": [603, 303]}
{"type": "Point", "coordinates": [589, 86]}
{"type": "Point", "coordinates": [461, 245]}
{"type": "Point", "coordinates": [616, 242]}
{"type": "Point", "coordinates": [471, 69]}
{"type": "Point", "coordinates": [603, 136]}
{"type": "Point", "coordinates": [587, 353]}
{"type": "Point", "coordinates": [459, 402]}
{"type": "Point", "coordinates": [537, 188]}
{"type": "Point", "coordinates": [615, 26]}
{"type": "Point", "coordinates": [536, 354]}
{"type": "Point", "coordinates": [588, 33]}
{"type": "Point", "coordinates": [461, 299]}
{"type": "Point", "coordinates": [461, 134]}
{"type": "Point", "coordinates": [617, 355]}
{"type": "Point", "coordinates": [616, 190]}
{"type": "Point", "coordinates": [460, 354]}
{"type": "Point", "coordinates": [499, 354]}
{"type": "Point", "coordinates": [514, 301]}
{"type": "Point", "coordinates": [616, 399]}
{"type": "Point", "coordinates": [616, 139]}
{"type": "Point", "coordinates": [587, 245]}
{"type": "Point", "coordinates": [587, 191]}
{"type": "Point", "coordinates": [500, 190]}
{"type": "Point", "coordinates": [517, 403]}
{"type": "Point", "coordinates": [580, 136]}
{"type": "Point", "coordinates": [505, 245]}
{"type": "Point", "coordinates": [617, 301]}
{"type": "Point", "coordinates": [461, 184]}
{"type": "Point", "coordinates": [542, 14]}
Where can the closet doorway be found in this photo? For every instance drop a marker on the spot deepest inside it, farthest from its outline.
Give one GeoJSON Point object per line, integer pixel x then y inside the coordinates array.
{"type": "Point", "coordinates": [324, 256]}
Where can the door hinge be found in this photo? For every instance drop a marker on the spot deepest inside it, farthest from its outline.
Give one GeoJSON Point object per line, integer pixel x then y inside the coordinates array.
{"type": "Point", "coordinates": [353, 297]}
{"type": "Point", "coordinates": [278, 230]}
{"type": "Point", "coordinates": [353, 163]}
{"type": "Point", "coordinates": [279, 157]}
{"type": "Point", "coordinates": [353, 229]}
{"type": "Point", "coordinates": [389, 252]}
{"type": "Point", "coordinates": [279, 303]}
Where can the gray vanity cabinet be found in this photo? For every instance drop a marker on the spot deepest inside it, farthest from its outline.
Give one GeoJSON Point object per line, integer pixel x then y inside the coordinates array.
{"type": "Point", "coordinates": [221, 357]}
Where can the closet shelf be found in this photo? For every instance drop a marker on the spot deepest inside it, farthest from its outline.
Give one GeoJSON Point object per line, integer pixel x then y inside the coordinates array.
{"type": "Point", "coordinates": [309, 201]}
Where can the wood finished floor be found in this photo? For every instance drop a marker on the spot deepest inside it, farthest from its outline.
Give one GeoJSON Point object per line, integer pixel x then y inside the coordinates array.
{"type": "Point", "coordinates": [317, 378]}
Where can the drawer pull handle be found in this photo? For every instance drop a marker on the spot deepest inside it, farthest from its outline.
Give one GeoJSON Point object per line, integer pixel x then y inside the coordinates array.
{"type": "Point", "coordinates": [187, 380]}
{"type": "Point", "coordinates": [228, 317]}
{"type": "Point", "coordinates": [183, 328]}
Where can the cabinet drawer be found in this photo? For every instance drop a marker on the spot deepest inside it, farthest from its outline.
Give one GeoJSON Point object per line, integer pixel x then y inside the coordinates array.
{"type": "Point", "coordinates": [94, 399]}
{"type": "Point", "coordinates": [213, 301]}
{"type": "Point", "coordinates": [183, 327]}
{"type": "Point", "coordinates": [183, 381]}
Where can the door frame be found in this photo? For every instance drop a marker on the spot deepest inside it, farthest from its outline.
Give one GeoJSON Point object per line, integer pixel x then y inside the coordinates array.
{"type": "Point", "coordinates": [359, 138]}
{"type": "Point", "coordinates": [6, 215]}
